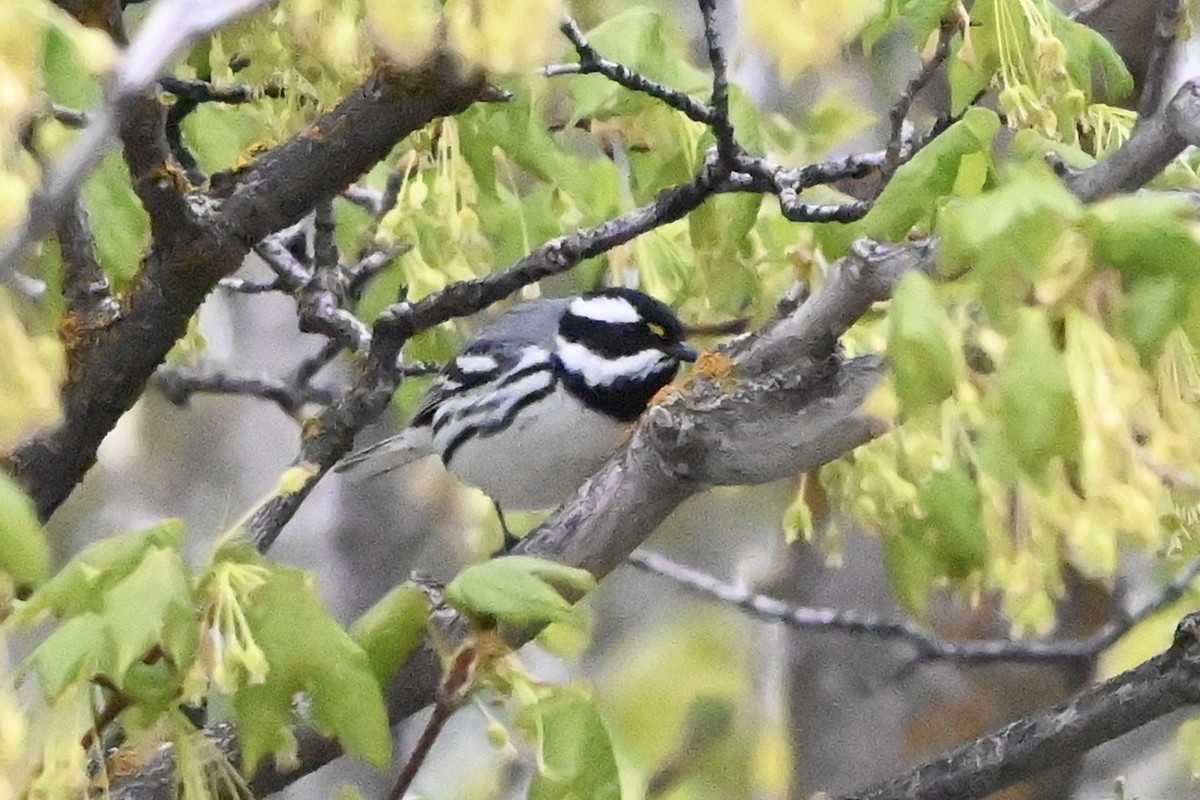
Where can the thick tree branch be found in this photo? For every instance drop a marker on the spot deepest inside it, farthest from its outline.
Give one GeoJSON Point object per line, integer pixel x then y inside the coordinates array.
{"type": "Point", "coordinates": [1167, 19]}
{"type": "Point", "coordinates": [170, 27]}
{"type": "Point", "coordinates": [1024, 748]}
{"type": "Point", "coordinates": [198, 241]}
{"type": "Point", "coordinates": [1154, 144]}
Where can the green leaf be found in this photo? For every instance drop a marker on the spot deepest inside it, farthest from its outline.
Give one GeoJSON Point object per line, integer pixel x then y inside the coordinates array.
{"type": "Point", "coordinates": [392, 630]}
{"type": "Point", "coordinates": [953, 514]}
{"type": "Point", "coordinates": [67, 82]}
{"type": "Point", "coordinates": [925, 365]}
{"type": "Point", "coordinates": [1091, 59]}
{"type": "Point", "coordinates": [118, 220]}
{"type": "Point", "coordinates": [24, 550]}
{"type": "Point", "coordinates": [69, 654]}
{"type": "Point", "coordinates": [577, 758]}
{"type": "Point", "coordinates": [307, 651]}
{"type": "Point", "coordinates": [517, 590]}
{"type": "Point", "coordinates": [968, 78]}
{"type": "Point", "coordinates": [1155, 306]}
{"type": "Point", "coordinates": [911, 570]}
{"type": "Point", "coordinates": [1145, 234]}
{"type": "Point", "coordinates": [917, 18]}
{"type": "Point", "coordinates": [80, 586]}
{"type": "Point", "coordinates": [919, 186]}
{"type": "Point", "coordinates": [1004, 236]}
{"type": "Point", "coordinates": [720, 233]}
{"type": "Point", "coordinates": [1037, 408]}
{"type": "Point", "coordinates": [154, 688]}
{"type": "Point", "coordinates": [152, 605]}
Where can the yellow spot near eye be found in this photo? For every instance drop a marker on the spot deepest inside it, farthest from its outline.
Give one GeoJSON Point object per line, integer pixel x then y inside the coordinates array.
{"type": "Point", "coordinates": [656, 329]}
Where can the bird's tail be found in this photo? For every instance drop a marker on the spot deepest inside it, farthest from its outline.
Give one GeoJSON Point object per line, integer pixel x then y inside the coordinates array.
{"type": "Point", "coordinates": [392, 453]}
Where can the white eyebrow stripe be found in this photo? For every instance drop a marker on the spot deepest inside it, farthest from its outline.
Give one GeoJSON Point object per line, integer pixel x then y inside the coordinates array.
{"type": "Point", "coordinates": [605, 309]}
{"type": "Point", "coordinates": [600, 371]}
{"type": "Point", "coordinates": [475, 363]}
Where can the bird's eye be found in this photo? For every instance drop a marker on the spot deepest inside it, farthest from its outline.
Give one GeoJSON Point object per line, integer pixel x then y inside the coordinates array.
{"type": "Point", "coordinates": [657, 330]}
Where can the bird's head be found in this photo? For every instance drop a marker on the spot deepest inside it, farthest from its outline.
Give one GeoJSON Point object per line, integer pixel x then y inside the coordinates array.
{"type": "Point", "coordinates": [617, 347]}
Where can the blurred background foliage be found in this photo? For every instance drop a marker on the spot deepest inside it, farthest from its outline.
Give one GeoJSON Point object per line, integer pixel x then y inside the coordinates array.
{"type": "Point", "coordinates": [1044, 466]}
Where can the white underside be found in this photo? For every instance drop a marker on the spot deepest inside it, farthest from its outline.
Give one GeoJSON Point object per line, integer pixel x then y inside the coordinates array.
{"type": "Point", "coordinates": [539, 461]}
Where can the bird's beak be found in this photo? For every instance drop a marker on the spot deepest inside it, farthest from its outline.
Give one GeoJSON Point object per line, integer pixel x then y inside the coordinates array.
{"type": "Point", "coordinates": [684, 352]}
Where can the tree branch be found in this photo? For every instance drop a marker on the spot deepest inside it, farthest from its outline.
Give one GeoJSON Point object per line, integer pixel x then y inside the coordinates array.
{"type": "Point", "coordinates": [903, 104]}
{"type": "Point", "coordinates": [721, 125]}
{"type": "Point", "coordinates": [591, 62]}
{"type": "Point", "coordinates": [928, 646]}
{"type": "Point", "coordinates": [1154, 144]}
{"type": "Point", "coordinates": [170, 27]}
{"type": "Point", "coordinates": [198, 241]}
{"type": "Point", "coordinates": [1024, 748]}
{"type": "Point", "coordinates": [1167, 19]}
{"type": "Point", "coordinates": [178, 384]}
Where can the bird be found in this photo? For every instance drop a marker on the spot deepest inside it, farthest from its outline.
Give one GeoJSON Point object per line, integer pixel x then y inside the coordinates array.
{"type": "Point", "coordinates": [541, 397]}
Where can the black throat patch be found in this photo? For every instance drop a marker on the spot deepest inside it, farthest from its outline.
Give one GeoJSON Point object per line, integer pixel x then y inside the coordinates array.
{"type": "Point", "coordinates": [625, 398]}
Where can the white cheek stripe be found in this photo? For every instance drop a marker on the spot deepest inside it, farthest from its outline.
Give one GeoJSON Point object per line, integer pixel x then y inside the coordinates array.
{"type": "Point", "coordinates": [474, 363]}
{"type": "Point", "coordinates": [600, 371]}
{"type": "Point", "coordinates": [605, 309]}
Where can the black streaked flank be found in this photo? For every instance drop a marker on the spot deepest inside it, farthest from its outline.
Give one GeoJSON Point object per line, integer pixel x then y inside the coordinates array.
{"type": "Point", "coordinates": [495, 425]}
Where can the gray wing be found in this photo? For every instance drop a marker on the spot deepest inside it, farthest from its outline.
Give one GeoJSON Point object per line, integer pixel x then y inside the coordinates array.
{"type": "Point", "coordinates": [494, 350]}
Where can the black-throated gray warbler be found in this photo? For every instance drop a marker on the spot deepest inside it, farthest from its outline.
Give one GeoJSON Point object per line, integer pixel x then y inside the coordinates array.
{"type": "Point", "coordinates": [541, 397]}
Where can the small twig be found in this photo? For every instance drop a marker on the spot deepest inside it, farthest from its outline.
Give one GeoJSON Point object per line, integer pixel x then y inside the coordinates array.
{"type": "Point", "coordinates": [310, 366]}
{"type": "Point", "coordinates": [721, 125]}
{"type": "Point", "coordinates": [84, 284]}
{"type": "Point", "coordinates": [451, 693]}
{"type": "Point", "coordinates": [1173, 592]}
{"type": "Point", "coordinates": [114, 705]}
{"type": "Point", "coordinates": [591, 62]}
{"type": "Point", "coordinates": [178, 384]}
{"type": "Point", "coordinates": [754, 174]}
{"type": "Point", "coordinates": [275, 254]}
{"type": "Point", "coordinates": [325, 250]}
{"type": "Point", "coordinates": [903, 104]}
{"type": "Point", "coordinates": [1167, 19]}
{"type": "Point", "coordinates": [366, 198]}
{"type": "Point", "coordinates": [927, 645]}
{"type": "Point", "coordinates": [243, 286]}
{"type": "Point", "coordinates": [69, 117]}
{"type": "Point", "coordinates": [195, 91]}
{"type": "Point", "coordinates": [190, 94]}
{"type": "Point", "coordinates": [372, 263]}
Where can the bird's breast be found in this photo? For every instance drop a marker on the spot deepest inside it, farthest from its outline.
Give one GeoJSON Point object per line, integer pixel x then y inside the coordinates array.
{"type": "Point", "coordinates": [551, 447]}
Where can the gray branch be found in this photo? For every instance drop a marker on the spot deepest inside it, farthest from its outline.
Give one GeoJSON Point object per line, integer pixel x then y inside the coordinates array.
{"type": "Point", "coordinates": [1040, 741]}
{"type": "Point", "coordinates": [1154, 144]}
